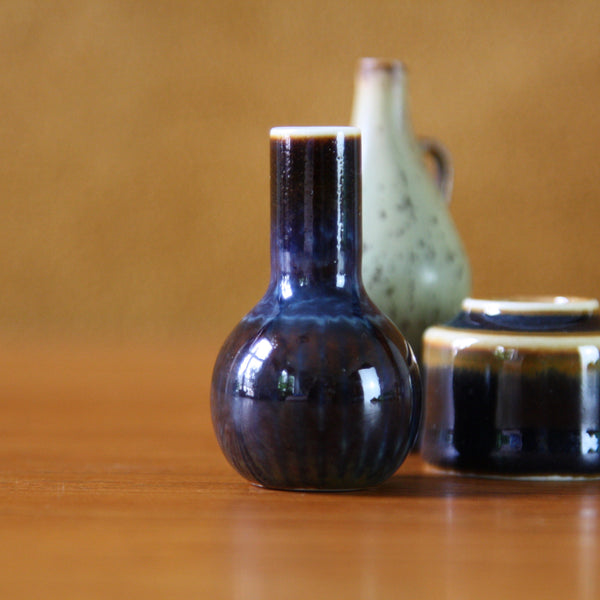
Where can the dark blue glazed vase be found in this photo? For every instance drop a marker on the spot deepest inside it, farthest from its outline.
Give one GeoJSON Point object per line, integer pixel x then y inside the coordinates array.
{"type": "Point", "coordinates": [315, 389]}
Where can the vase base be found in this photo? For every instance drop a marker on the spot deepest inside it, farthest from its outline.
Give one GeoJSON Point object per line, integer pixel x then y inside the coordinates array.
{"type": "Point", "coordinates": [309, 490]}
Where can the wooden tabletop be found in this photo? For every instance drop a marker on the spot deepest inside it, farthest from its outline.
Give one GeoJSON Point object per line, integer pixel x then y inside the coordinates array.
{"type": "Point", "coordinates": [112, 486]}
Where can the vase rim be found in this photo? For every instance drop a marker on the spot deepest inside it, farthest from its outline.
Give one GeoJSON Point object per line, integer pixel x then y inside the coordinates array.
{"type": "Point", "coordinates": [393, 65]}
{"type": "Point", "coordinates": [314, 131]}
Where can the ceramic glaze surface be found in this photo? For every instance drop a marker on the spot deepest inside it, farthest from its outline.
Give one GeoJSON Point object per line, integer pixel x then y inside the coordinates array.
{"type": "Point", "coordinates": [414, 267]}
{"type": "Point", "coordinates": [513, 387]}
{"type": "Point", "coordinates": [315, 389]}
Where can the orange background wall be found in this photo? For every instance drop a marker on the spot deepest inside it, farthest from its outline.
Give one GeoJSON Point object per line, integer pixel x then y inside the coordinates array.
{"type": "Point", "coordinates": [134, 146]}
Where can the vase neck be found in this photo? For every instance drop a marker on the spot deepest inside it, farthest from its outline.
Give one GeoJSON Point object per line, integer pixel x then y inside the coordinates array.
{"type": "Point", "coordinates": [380, 96]}
{"type": "Point", "coordinates": [315, 208]}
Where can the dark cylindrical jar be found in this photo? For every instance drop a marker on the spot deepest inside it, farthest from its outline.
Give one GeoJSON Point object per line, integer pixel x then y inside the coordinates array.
{"type": "Point", "coordinates": [513, 388]}
{"type": "Point", "coordinates": [315, 389]}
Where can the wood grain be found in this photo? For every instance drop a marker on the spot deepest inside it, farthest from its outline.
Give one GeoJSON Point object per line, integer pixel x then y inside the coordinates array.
{"type": "Point", "coordinates": [112, 486]}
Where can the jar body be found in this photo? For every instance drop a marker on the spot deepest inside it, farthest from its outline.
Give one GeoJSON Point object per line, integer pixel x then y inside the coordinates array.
{"type": "Point", "coordinates": [415, 267]}
{"type": "Point", "coordinates": [315, 389]}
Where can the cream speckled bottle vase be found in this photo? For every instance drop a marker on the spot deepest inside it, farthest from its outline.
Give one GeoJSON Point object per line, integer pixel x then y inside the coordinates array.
{"type": "Point", "coordinates": [414, 265]}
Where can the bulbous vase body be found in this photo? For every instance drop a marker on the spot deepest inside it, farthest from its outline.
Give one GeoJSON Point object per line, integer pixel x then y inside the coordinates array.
{"type": "Point", "coordinates": [414, 266]}
{"type": "Point", "coordinates": [315, 389]}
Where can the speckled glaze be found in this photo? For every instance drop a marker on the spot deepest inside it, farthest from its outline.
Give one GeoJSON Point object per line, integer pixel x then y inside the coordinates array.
{"type": "Point", "coordinates": [315, 389]}
{"type": "Point", "coordinates": [414, 265]}
{"type": "Point", "coordinates": [513, 388]}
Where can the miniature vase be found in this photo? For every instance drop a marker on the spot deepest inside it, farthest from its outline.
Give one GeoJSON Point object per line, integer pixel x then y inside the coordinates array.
{"type": "Point", "coordinates": [414, 267]}
{"type": "Point", "coordinates": [315, 389]}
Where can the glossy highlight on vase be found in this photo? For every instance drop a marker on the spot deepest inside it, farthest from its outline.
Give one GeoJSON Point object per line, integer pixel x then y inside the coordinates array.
{"type": "Point", "coordinates": [315, 389]}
